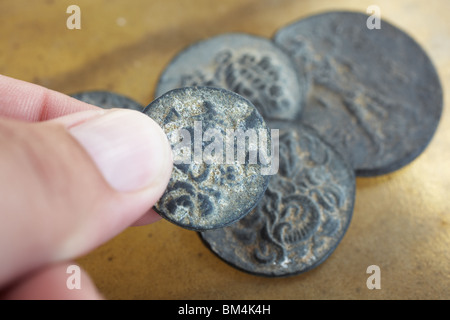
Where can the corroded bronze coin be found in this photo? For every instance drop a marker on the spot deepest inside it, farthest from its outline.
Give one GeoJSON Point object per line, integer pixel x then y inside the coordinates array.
{"type": "Point", "coordinates": [374, 93]}
{"type": "Point", "coordinates": [107, 100]}
{"type": "Point", "coordinates": [219, 140]}
{"type": "Point", "coordinates": [303, 215]}
{"type": "Point", "coordinates": [249, 65]}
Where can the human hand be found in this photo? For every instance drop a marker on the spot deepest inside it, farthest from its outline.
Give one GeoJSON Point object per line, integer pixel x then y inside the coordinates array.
{"type": "Point", "coordinates": [72, 176]}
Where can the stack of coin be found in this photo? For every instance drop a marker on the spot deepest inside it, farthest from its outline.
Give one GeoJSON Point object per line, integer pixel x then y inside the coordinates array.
{"type": "Point", "coordinates": [345, 101]}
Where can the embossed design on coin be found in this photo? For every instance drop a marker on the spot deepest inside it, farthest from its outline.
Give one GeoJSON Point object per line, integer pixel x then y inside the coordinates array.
{"type": "Point", "coordinates": [303, 215]}
{"type": "Point", "coordinates": [248, 65]}
{"type": "Point", "coordinates": [208, 189]}
{"type": "Point", "coordinates": [107, 100]}
{"type": "Point", "coordinates": [374, 94]}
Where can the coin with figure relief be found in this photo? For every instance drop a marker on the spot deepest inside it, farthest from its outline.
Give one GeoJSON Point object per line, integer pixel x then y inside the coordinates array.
{"type": "Point", "coordinates": [374, 94]}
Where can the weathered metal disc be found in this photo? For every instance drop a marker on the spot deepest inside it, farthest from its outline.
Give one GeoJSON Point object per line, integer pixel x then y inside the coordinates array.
{"type": "Point", "coordinates": [207, 190]}
{"type": "Point", "coordinates": [303, 215]}
{"type": "Point", "coordinates": [107, 100]}
{"type": "Point", "coordinates": [249, 65]}
{"type": "Point", "coordinates": [374, 93]}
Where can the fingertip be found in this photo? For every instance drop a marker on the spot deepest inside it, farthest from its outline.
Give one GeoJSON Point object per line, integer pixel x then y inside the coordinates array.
{"type": "Point", "coordinates": [129, 148]}
{"type": "Point", "coordinates": [148, 218]}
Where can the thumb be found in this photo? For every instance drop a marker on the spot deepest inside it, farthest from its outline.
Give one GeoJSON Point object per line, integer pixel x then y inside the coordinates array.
{"type": "Point", "coordinates": [70, 184]}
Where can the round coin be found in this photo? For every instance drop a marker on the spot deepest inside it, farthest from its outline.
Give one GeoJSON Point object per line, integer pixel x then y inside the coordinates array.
{"type": "Point", "coordinates": [249, 65]}
{"type": "Point", "coordinates": [217, 138]}
{"type": "Point", "coordinates": [107, 100]}
{"type": "Point", "coordinates": [303, 215]}
{"type": "Point", "coordinates": [374, 93]}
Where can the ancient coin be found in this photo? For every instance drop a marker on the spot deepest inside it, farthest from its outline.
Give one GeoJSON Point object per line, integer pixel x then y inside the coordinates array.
{"type": "Point", "coordinates": [373, 93]}
{"type": "Point", "coordinates": [303, 215]}
{"type": "Point", "coordinates": [218, 139]}
{"type": "Point", "coordinates": [107, 100]}
{"type": "Point", "coordinates": [249, 65]}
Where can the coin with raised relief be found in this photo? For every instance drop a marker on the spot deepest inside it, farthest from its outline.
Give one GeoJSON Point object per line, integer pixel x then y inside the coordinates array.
{"type": "Point", "coordinates": [107, 100]}
{"type": "Point", "coordinates": [374, 94]}
{"type": "Point", "coordinates": [222, 160]}
{"type": "Point", "coordinates": [303, 216]}
{"type": "Point", "coordinates": [249, 65]}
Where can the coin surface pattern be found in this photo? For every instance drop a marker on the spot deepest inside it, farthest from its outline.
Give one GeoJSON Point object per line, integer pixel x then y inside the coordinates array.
{"type": "Point", "coordinates": [249, 65]}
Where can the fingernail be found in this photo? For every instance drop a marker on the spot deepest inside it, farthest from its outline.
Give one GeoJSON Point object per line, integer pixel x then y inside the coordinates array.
{"type": "Point", "coordinates": [129, 148]}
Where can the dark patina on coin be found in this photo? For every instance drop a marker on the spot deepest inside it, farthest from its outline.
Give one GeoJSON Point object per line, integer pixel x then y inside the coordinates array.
{"type": "Point", "coordinates": [217, 177]}
{"type": "Point", "coordinates": [107, 100]}
{"type": "Point", "coordinates": [249, 65]}
{"type": "Point", "coordinates": [374, 93]}
{"type": "Point", "coordinates": [303, 215]}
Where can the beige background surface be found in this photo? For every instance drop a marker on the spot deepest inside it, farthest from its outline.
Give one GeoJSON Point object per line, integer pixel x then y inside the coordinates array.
{"type": "Point", "coordinates": [401, 221]}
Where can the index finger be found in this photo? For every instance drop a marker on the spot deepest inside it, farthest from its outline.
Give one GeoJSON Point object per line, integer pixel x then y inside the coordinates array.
{"type": "Point", "coordinates": [30, 102]}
